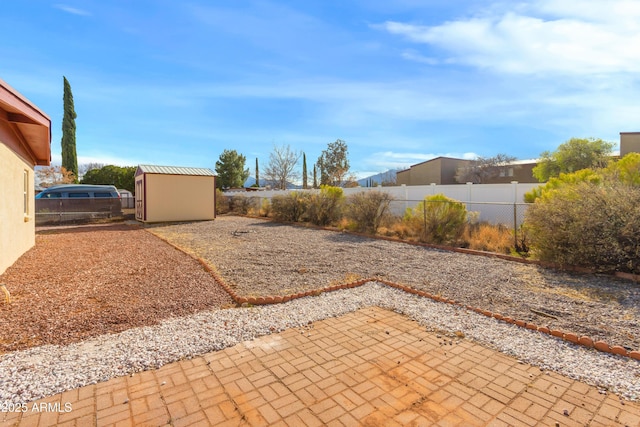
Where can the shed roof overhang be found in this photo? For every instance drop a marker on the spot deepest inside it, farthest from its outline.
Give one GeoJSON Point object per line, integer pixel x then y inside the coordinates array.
{"type": "Point", "coordinates": [31, 126]}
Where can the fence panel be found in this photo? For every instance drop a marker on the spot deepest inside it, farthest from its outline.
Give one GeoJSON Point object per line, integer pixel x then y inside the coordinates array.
{"type": "Point", "coordinates": [509, 214]}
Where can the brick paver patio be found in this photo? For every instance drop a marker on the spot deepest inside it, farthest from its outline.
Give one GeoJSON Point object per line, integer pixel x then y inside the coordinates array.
{"type": "Point", "coordinates": [372, 367]}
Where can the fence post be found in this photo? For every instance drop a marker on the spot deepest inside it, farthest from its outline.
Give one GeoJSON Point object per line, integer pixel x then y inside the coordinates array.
{"type": "Point", "coordinates": [515, 226]}
{"type": "Point", "coordinates": [406, 196]}
{"type": "Point", "coordinates": [515, 214]}
{"type": "Point", "coordinates": [424, 219]}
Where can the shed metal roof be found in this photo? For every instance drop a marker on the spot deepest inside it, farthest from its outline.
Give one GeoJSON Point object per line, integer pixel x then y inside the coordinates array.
{"type": "Point", "coordinates": [174, 170]}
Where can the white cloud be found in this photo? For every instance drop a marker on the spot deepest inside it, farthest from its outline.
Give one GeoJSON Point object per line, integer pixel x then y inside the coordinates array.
{"type": "Point", "coordinates": [72, 10]}
{"type": "Point", "coordinates": [579, 37]}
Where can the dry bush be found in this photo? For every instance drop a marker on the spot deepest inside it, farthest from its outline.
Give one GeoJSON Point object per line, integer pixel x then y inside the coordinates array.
{"type": "Point", "coordinates": [243, 205]}
{"type": "Point", "coordinates": [397, 228]}
{"type": "Point", "coordinates": [324, 207]}
{"type": "Point", "coordinates": [589, 225]}
{"type": "Point", "coordinates": [347, 224]}
{"type": "Point", "coordinates": [489, 237]}
{"type": "Point", "coordinates": [222, 203]}
{"type": "Point", "coordinates": [438, 219]}
{"type": "Point", "coordinates": [291, 207]}
{"type": "Point", "coordinates": [368, 209]}
{"type": "Point", "coordinates": [265, 208]}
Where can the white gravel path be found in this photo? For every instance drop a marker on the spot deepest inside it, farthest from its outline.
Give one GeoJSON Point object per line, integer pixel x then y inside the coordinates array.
{"type": "Point", "coordinates": [42, 371]}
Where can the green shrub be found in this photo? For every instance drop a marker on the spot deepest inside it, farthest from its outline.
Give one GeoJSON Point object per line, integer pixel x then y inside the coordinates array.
{"type": "Point", "coordinates": [584, 175]}
{"type": "Point", "coordinates": [290, 207]}
{"type": "Point", "coordinates": [625, 170]}
{"type": "Point", "coordinates": [438, 219]}
{"type": "Point", "coordinates": [324, 206]}
{"type": "Point", "coordinates": [368, 209]}
{"type": "Point", "coordinates": [588, 224]}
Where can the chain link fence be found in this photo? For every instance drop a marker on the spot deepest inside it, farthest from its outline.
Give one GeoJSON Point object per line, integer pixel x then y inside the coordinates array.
{"type": "Point", "coordinates": [63, 210]}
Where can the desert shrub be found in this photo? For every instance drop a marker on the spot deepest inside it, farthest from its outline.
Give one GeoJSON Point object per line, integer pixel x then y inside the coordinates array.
{"type": "Point", "coordinates": [489, 237]}
{"type": "Point", "coordinates": [589, 225]}
{"type": "Point", "coordinates": [625, 170]}
{"type": "Point", "coordinates": [265, 207]}
{"type": "Point", "coordinates": [222, 202]}
{"type": "Point", "coordinates": [438, 219]}
{"type": "Point", "coordinates": [368, 209]}
{"type": "Point", "coordinates": [324, 206]}
{"type": "Point", "coordinates": [584, 175]}
{"type": "Point", "coordinates": [290, 207]}
{"type": "Point", "coordinates": [241, 204]}
{"type": "Point", "coordinates": [397, 228]}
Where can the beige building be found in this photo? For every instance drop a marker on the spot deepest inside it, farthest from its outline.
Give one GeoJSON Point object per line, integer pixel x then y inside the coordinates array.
{"type": "Point", "coordinates": [170, 193]}
{"type": "Point", "coordinates": [25, 142]}
{"type": "Point", "coordinates": [629, 143]}
{"type": "Point", "coordinates": [442, 171]}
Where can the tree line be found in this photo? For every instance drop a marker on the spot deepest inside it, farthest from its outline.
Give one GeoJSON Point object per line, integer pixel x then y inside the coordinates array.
{"type": "Point", "coordinates": [332, 168]}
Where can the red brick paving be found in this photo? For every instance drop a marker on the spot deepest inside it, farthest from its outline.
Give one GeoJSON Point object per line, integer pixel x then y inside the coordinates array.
{"type": "Point", "coordinates": [371, 367]}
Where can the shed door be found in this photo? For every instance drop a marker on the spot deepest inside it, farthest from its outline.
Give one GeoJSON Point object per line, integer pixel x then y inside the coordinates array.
{"type": "Point", "coordinates": [139, 199]}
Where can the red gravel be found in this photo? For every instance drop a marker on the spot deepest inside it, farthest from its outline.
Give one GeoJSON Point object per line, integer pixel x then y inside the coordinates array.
{"type": "Point", "coordinates": [86, 281]}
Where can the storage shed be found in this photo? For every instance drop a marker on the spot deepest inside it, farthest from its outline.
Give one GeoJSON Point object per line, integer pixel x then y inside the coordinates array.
{"type": "Point", "coordinates": [171, 193]}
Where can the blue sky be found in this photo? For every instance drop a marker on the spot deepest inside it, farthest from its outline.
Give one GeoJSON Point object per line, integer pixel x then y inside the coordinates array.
{"type": "Point", "coordinates": [401, 81]}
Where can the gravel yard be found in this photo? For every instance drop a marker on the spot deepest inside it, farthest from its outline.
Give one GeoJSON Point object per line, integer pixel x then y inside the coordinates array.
{"type": "Point", "coordinates": [260, 258]}
{"type": "Point", "coordinates": [118, 300]}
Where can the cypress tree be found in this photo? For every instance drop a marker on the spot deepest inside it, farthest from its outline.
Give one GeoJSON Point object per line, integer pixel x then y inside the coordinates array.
{"type": "Point", "coordinates": [69, 156]}
{"type": "Point", "coordinates": [315, 178]}
{"type": "Point", "coordinates": [257, 174]}
{"type": "Point", "coordinates": [304, 171]}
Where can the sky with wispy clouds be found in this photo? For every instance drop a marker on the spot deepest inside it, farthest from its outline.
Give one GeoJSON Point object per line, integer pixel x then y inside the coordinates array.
{"type": "Point", "coordinates": [401, 81]}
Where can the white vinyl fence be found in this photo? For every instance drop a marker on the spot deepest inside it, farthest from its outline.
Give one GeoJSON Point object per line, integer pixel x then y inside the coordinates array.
{"type": "Point", "coordinates": [494, 203]}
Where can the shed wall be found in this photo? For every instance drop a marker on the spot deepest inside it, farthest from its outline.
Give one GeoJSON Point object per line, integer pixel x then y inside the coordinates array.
{"type": "Point", "coordinates": [179, 198]}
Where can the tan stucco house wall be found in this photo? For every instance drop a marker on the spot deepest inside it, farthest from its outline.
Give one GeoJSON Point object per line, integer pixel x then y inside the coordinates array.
{"type": "Point", "coordinates": [168, 193]}
{"type": "Point", "coordinates": [25, 141]}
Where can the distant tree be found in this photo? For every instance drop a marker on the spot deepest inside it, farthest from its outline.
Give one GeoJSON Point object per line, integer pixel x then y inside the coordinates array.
{"type": "Point", "coordinates": [572, 156]}
{"type": "Point", "coordinates": [482, 169]}
{"type": "Point", "coordinates": [333, 164]}
{"type": "Point", "coordinates": [86, 167]}
{"type": "Point", "coordinates": [54, 175]}
{"type": "Point", "coordinates": [281, 167]}
{"type": "Point", "coordinates": [230, 169]}
{"type": "Point", "coordinates": [257, 174]}
{"type": "Point", "coordinates": [69, 156]}
{"type": "Point", "coordinates": [120, 177]}
{"type": "Point", "coordinates": [315, 176]}
{"type": "Point", "coordinates": [304, 171]}
{"type": "Point", "coordinates": [350, 182]}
